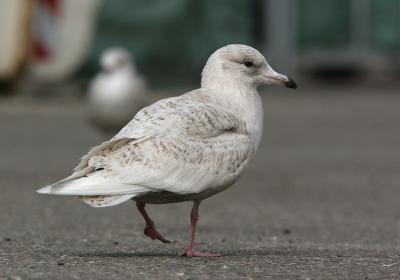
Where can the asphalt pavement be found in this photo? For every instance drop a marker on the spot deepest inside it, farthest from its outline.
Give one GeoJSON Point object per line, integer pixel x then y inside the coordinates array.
{"type": "Point", "coordinates": [320, 201]}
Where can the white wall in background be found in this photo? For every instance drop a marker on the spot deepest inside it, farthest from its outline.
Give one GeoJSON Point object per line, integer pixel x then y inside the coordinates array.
{"type": "Point", "coordinates": [14, 34]}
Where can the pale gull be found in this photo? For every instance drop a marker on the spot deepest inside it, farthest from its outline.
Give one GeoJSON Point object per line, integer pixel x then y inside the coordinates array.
{"type": "Point", "coordinates": [117, 92]}
{"type": "Point", "coordinates": [184, 148]}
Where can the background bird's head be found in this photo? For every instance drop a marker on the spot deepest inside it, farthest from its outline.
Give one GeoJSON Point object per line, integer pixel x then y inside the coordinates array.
{"type": "Point", "coordinates": [115, 59]}
{"type": "Point", "coordinates": [241, 65]}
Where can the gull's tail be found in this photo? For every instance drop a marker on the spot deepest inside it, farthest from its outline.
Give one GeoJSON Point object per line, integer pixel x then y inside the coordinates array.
{"type": "Point", "coordinates": [96, 191]}
{"type": "Point", "coordinates": [57, 187]}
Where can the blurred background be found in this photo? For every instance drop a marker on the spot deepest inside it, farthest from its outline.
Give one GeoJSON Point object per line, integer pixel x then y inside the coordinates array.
{"type": "Point", "coordinates": [323, 191]}
{"type": "Point", "coordinates": [60, 41]}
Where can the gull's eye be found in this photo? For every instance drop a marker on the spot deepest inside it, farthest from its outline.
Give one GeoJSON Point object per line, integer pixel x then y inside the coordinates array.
{"type": "Point", "coordinates": [248, 64]}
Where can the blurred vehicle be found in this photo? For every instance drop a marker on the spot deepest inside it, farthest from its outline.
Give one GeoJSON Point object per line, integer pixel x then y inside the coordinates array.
{"type": "Point", "coordinates": [117, 93]}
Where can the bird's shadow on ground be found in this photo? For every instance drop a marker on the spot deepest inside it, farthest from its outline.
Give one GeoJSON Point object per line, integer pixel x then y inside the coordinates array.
{"type": "Point", "coordinates": [123, 254]}
{"type": "Point", "coordinates": [176, 254]}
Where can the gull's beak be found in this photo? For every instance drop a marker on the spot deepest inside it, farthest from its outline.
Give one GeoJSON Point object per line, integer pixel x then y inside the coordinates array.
{"type": "Point", "coordinates": [276, 78]}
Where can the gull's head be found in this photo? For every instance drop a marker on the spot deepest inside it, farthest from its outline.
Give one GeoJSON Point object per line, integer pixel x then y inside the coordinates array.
{"type": "Point", "coordinates": [116, 59]}
{"type": "Point", "coordinates": [241, 65]}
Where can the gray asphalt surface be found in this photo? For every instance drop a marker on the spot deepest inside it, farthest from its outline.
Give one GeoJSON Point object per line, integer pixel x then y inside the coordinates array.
{"type": "Point", "coordinates": [320, 201]}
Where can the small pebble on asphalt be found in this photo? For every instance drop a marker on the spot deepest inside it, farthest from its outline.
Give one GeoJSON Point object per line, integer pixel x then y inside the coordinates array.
{"type": "Point", "coordinates": [287, 231]}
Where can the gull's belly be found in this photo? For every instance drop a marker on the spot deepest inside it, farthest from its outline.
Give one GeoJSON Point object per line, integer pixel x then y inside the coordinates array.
{"type": "Point", "coordinates": [164, 197]}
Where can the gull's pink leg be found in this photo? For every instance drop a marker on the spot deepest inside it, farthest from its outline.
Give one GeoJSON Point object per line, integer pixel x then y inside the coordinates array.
{"type": "Point", "coordinates": [194, 217]}
{"type": "Point", "coordinates": [150, 229]}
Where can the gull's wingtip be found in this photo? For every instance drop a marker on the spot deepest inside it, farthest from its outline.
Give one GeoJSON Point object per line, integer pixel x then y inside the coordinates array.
{"type": "Point", "coordinates": [45, 190]}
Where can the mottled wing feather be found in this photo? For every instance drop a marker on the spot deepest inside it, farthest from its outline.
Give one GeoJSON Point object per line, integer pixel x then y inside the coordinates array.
{"type": "Point", "coordinates": [191, 114]}
{"type": "Point", "coordinates": [104, 149]}
{"type": "Point", "coordinates": [183, 166]}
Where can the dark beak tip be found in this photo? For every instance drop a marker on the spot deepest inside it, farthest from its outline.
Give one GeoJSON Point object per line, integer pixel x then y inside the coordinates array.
{"type": "Point", "coordinates": [291, 83]}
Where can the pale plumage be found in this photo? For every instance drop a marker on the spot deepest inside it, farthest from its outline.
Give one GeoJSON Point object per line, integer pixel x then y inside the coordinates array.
{"type": "Point", "coordinates": [181, 148]}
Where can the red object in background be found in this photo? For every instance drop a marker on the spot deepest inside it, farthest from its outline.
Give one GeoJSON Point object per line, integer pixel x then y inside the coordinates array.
{"type": "Point", "coordinates": [40, 51]}
{"type": "Point", "coordinates": [48, 11]}
{"type": "Point", "coordinates": [53, 5]}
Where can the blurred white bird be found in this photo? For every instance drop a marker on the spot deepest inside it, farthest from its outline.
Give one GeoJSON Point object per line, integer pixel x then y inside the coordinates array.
{"type": "Point", "coordinates": [117, 92]}
{"type": "Point", "coordinates": [184, 148]}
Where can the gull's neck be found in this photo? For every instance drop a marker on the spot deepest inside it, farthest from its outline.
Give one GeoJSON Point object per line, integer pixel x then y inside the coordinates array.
{"type": "Point", "coordinates": [227, 85]}
{"type": "Point", "coordinates": [242, 99]}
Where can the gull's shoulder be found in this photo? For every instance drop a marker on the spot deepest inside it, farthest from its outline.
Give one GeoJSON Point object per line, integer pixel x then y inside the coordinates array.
{"type": "Point", "coordinates": [197, 111]}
